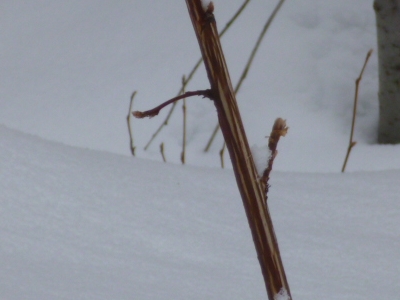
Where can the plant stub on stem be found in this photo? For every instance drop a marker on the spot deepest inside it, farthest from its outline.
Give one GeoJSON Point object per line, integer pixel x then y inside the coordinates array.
{"type": "Point", "coordinates": [278, 130]}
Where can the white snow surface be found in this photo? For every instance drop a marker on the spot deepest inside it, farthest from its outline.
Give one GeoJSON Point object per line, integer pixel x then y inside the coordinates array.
{"type": "Point", "coordinates": [84, 224]}
{"type": "Point", "coordinates": [282, 295]}
{"type": "Point", "coordinates": [80, 218]}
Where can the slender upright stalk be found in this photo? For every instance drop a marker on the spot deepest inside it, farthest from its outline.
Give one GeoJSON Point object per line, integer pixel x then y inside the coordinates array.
{"type": "Point", "coordinates": [128, 120]}
{"type": "Point", "coordinates": [162, 152]}
{"type": "Point", "coordinates": [221, 155]}
{"type": "Point", "coordinates": [183, 153]}
{"type": "Point", "coordinates": [352, 143]}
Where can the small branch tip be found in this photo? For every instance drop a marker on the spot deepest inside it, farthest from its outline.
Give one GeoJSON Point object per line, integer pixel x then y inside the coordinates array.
{"type": "Point", "coordinates": [279, 129]}
{"type": "Point", "coordinates": [138, 114]}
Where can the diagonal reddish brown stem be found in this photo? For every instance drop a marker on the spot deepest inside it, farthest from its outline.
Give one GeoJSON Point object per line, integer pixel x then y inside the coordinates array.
{"type": "Point", "coordinates": [250, 187]}
{"type": "Point", "coordinates": [155, 111]}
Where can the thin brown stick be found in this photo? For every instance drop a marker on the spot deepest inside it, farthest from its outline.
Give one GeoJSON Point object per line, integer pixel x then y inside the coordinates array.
{"type": "Point", "coordinates": [162, 152]}
{"type": "Point", "coordinates": [279, 129]}
{"type": "Point", "coordinates": [128, 120]}
{"type": "Point", "coordinates": [353, 123]}
{"type": "Point", "coordinates": [193, 71]}
{"type": "Point", "coordinates": [248, 65]}
{"type": "Point", "coordinates": [183, 153]}
{"type": "Point", "coordinates": [221, 155]}
{"type": "Point", "coordinates": [155, 111]}
{"type": "Point", "coordinates": [249, 185]}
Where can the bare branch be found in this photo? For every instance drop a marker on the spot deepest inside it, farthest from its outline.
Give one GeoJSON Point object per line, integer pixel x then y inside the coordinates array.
{"type": "Point", "coordinates": [155, 111]}
{"type": "Point", "coordinates": [353, 123]}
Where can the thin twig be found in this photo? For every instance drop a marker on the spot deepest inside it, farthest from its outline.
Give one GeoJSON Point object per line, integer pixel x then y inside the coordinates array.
{"type": "Point", "coordinates": [353, 123]}
{"type": "Point", "coordinates": [162, 152]}
{"type": "Point", "coordinates": [183, 154]}
{"type": "Point", "coordinates": [221, 155]}
{"type": "Point", "coordinates": [192, 72]}
{"type": "Point", "coordinates": [128, 120]}
{"type": "Point", "coordinates": [248, 65]}
{"type": "Point", "coordinates": [154, 112]}
{"type": "Point", "coordinates": [279, 129]}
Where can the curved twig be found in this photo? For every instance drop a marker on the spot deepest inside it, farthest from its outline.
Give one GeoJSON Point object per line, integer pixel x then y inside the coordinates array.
{"type": "Point", "coordinates": [155, 111]}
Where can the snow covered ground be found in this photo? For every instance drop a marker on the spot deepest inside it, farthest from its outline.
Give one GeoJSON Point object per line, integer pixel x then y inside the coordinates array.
{"type": "Point", "coordinates": [84, 224]}
{"type": "Point", "coordinates": [96, 223]}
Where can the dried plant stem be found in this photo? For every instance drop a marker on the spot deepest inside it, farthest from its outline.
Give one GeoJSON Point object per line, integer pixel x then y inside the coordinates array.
{"type": "Point", "coordinates": [155, 111]}
{"type": "Point", "coordinates": [248, 65]}
{"type": "Point", "coordinates": [183, 154]}
{"type": "Point", "coordinates": [352, 143]}
{"type": "Point", "coordinates": [249, 185]}
{"type": "Point", "coordinates": [128, 120]}
{"type": "Point", "coordinates": [221, 155]}
{"type": "Point", "coordinates": [279, 129]}
{"type": "Point", "coordinates": [192, 72]}
{"type": "Point", "coordinates": [162, 152]}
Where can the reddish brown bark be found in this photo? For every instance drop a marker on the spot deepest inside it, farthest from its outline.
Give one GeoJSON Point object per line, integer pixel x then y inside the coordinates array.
{"type": "Point", "coordinates": [250, 186]}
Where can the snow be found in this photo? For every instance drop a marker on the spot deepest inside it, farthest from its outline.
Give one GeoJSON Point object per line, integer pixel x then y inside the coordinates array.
{"type": "Point", "coordinates": [282, 295]}
{"type": "Point", "coordinates": [261, 156]}
{"type": "Point", "coordinates": [80, 218]}
{"type": "Point", "coordinates": [84, 224]}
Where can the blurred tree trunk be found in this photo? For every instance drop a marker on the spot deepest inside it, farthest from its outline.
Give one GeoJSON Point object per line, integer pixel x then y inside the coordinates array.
{"type": "Point", "coordinates": [387, 14]}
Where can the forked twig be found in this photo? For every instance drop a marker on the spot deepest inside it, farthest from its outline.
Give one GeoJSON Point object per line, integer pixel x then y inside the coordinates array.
{"type": "Point", "coordinates": [154, 112]}
{"type": "Point", "coordinates": [193, 71]}
{"type": "Point", "coordinates": [128, 120]}
{"type": "Point", "coordinates": [353, 123]}
{"type": "Point", "coordinates": [248, 65]}
{"type": "Point", "coordinates": [279, 129]}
